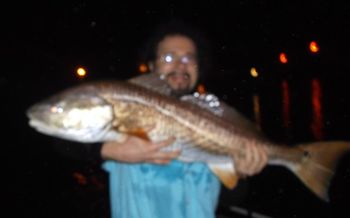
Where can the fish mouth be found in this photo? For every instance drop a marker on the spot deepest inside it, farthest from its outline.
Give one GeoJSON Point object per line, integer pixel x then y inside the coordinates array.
{"type": "Point", "coordinates": [88, 135]}
{"type": "Point", "coordinates": [36, 112]}
{"type": "Point", "coordinates": [46, 129]}
{"type": "Point", "coordinates": [41, 127]}
{"type": "Point", "coordinates": [36, 123]}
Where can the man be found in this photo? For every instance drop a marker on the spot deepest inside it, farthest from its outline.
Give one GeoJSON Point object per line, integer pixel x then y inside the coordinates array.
{"type": "Point", "coordinates": [146, 181]}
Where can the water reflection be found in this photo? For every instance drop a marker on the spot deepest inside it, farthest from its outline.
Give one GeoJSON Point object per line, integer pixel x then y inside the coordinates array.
{"type": "Point", "coordinates": [285, 104]}
{"type": "Point", "coordinates": [317, 116]}
{"type": "Point", "coordinates": [314, 105]}
{"type": "Point", "coordinates": [257, 111]}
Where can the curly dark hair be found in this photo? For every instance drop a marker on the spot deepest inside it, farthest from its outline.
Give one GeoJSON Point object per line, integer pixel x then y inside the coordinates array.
{"type": "Point", "coordinates": [179, 27]}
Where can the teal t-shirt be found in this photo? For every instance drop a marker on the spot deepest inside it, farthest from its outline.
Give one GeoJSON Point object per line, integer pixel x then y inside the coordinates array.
{"type": "Point", "coordinates": [175, 190]}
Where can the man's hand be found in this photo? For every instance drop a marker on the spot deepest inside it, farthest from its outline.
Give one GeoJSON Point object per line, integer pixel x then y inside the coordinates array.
{"type": "Point", "coordinates": [251, 161]}
{"type": "Point", "coordinates": [137, 150]}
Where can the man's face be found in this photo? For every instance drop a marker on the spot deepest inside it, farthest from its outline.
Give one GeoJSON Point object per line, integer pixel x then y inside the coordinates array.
{"type": "Point", "coordinates": [177, 62]}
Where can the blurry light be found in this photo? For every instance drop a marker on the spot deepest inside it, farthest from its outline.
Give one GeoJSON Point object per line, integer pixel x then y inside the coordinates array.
{"type": "Point", "coordinates": [317, 119]}
{"type": "Point", "coordinates": [314, 47]}
{"type": "Point", "coordinates": [283, 58]}
{"type": "Point", "coordinates": [201, 89]}
{"type": "Point", "coordinates": [80, 178]}
{"type": "Point", "coordinates": [286, 103]}
{"type": "Point", "coordinates": [81, 72]}
{"type": "Point", "coordinates": [143, 68]}
{"type": "Point", "coordinates": [254, 72]}
{"type": "Point", "coordinates": [257, 111]}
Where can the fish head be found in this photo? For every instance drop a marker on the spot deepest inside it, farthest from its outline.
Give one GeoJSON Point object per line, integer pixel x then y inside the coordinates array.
{"type": "Point", "coordinates": [78, 116]}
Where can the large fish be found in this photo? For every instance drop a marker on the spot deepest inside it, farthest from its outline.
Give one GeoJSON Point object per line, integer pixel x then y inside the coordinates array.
{"type": "Point", "coordinates": [105, 110]}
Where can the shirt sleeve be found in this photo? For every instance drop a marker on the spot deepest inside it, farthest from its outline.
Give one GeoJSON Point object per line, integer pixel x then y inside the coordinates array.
{"type": "Point", "coordinates": [78, 151]}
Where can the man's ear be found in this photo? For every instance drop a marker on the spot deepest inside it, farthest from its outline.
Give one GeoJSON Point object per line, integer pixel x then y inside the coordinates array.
{"type": "Point", "coordinates": [150, 66]}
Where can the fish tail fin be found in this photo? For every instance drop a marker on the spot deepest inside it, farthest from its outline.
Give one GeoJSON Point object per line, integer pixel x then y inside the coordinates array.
{"type": "Point", "coordinates": [318, 164]}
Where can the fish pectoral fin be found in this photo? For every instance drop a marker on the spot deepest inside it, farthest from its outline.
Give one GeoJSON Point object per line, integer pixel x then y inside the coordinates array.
{"type": "Point", "coordinates": [134, 130]}
{"type": "Point", "coordinates": [139, 132]}
{"type": "Point", "coordinates": [226, 173]}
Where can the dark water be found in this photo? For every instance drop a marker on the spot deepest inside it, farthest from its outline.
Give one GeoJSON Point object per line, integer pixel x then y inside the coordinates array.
{"type": "Point", "coordinates": [40, 182]}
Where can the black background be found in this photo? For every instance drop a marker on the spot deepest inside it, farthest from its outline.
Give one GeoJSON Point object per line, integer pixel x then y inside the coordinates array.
{"type": "Point", "coordinates": [46, 41]}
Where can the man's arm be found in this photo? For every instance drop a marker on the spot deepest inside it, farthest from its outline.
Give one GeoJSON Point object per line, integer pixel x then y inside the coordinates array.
{"type": "Point", "coordinates": [137, 150]}
{"type": "Point", "coordinates": [130, 150]}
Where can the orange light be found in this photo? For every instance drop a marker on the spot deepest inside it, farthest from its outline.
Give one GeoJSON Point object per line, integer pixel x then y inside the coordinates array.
{"type": "Point", "coordinates": [201, 89]}
{"type": "Point", "coordinates": [254, 72]}
{"type": "Point", "coordinates": [286, 103]}
{"type": "Point", "coordinates": [316, 99]}
{"type": "Point", "coordinates": [283, 58]}
{"type": "Point", "coordinates": [80, 178]}
{"type": "Point", "coordinates": [314, 47]}
{"type": "Point", "coordinates": [257, 111]}
{"type": "Point", "coordinates": [81, 72]}
{"type": "Point", "coordinates": [143, 68]}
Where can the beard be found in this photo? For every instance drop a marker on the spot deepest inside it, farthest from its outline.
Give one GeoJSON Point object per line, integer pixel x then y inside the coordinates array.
{"type": "Point", "coordinates": [180, 92]}
{"type": "Point", "coordinates": [181, 88]}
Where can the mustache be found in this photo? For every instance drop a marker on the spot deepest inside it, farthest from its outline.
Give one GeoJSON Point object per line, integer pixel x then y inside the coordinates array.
{"type": "Point", "coordinates": [174, 73]}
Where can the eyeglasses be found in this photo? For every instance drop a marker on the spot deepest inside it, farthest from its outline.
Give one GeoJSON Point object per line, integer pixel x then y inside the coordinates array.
{"type": "Point", "coordinates": [171, 58]}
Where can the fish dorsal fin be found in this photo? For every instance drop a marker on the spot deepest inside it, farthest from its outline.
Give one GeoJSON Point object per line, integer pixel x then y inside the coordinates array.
{"type": "Point", "coordinates": [226, 173]}
{"type": "Point", "coordinates": [206, 101]}
{"type": "Point", "coordinates": [211, 103]}
{"type": "Point", "coordinates": [152, 81]}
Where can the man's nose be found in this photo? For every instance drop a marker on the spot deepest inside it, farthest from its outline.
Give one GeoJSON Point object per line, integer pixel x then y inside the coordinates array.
{"type": "Point", "coordinates": [181, 67]}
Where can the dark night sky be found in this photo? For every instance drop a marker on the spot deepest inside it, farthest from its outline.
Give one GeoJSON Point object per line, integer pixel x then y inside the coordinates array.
{"type": "Point", "coordinates": [45, 42]}
{"type": "Point", "coordinates": [48, 41]}
{"type": "Point", "coordinates": [55, 37]}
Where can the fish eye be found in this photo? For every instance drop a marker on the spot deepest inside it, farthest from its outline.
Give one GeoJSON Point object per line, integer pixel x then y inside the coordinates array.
{"type": "Point", "coordinates": [56, 109]}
